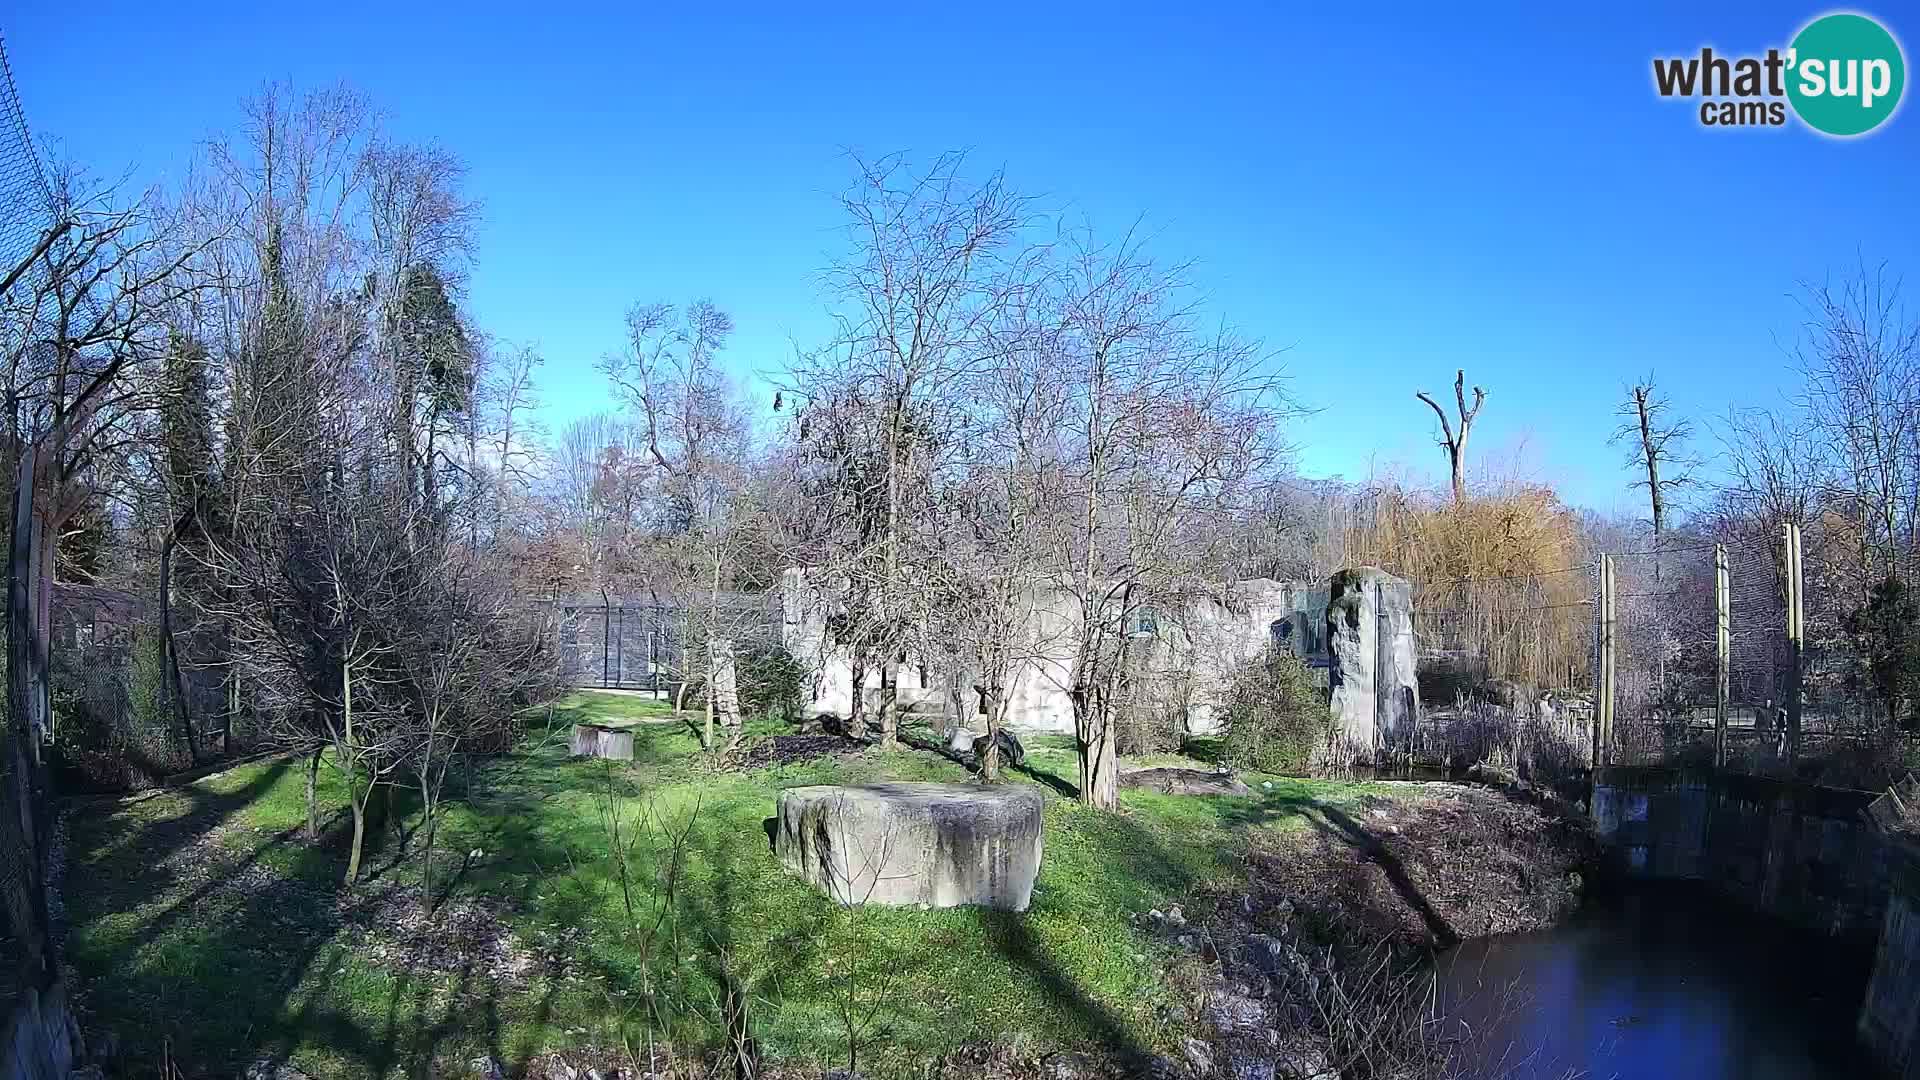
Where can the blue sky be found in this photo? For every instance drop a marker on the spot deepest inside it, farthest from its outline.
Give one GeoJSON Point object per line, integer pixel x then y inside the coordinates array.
{"type": "Point", "coordinates": [1386, 192]}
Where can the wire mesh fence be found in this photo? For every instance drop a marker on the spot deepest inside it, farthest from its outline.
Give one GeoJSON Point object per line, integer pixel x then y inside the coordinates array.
{"type": "Point", "coordinates": [26, 214]}
{"type": "Point", "coordinates": [1794, 701]}
{"type": "Point", "coordinates": [613, 643]}
{"type": "Point", "coordinates": [1627, 654]}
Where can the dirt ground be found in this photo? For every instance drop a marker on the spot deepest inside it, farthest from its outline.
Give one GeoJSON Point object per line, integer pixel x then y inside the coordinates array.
{"type": "Point", "coordinates": [1452, 862]}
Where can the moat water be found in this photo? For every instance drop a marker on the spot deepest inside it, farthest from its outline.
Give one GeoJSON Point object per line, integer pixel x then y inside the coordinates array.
{"type": "Point", "coordinates": [1660, 982]}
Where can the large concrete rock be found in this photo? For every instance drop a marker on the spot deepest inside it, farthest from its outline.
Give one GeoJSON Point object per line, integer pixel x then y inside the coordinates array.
{"type": "Point", "coordinates": [1376, 694]}
{"type": "Point", "coordinates": [943, 845]}
{"type": "Point", "coordinates": [593, 740]}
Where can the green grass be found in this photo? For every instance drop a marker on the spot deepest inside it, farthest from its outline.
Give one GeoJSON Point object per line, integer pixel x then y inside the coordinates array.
{"type": "Point", "coordinates": [222, 974]}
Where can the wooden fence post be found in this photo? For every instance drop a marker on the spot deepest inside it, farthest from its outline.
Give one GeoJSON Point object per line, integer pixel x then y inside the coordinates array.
{"type": "Point", "coordinates": [1723, 643]}
{"type": "Point", "coordinates": [1603, 706]}
{"type": "Point", "coordinates": [1796, 641]}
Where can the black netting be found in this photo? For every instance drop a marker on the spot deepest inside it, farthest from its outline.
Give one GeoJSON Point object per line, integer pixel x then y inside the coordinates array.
{"type": "Point", "coordinates": [26, 214]}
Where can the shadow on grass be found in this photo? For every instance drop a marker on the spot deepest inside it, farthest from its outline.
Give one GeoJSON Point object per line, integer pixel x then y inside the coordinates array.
{"type": "Point", "coordinates": [1013, 938]}
{"type": "Point", "coordinates": [1049, 780]}
{"type": "Point", "coordinates": [272, 964]}
{"type": "Point", "coordinates": [219, 953]}
{"type": "Point", "coordinates": [1337, 825]}
{"type": "Point", "coordinates": [921, 739]}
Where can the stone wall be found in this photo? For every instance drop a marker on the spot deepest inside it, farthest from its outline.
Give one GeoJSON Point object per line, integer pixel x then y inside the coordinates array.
{"type": "Point", "coordinates": [1890, 1016]}
{"type": "Point", "coordinates": [1185, 656]}
{"type": "Point", "coordinates": [39, 1039]}
{"type": "Point", "coordinates": [1803, 853]}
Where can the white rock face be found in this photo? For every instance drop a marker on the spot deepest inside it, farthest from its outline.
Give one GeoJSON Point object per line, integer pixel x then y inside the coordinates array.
{"type": "Point", "coordinates": [942, 845]}
{"type": "Point", "coordinates": [1376, 695]}
{"type": "Point", "coordinates": [1188, 654]}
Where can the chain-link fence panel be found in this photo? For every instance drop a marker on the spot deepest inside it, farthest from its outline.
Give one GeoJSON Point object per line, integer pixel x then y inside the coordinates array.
{"type": "Point", "coordinates": [26, 215]}
{"type": "Point", "coordinates": [659, 647]}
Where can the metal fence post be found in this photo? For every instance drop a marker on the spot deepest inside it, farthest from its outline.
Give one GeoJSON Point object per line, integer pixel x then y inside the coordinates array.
{"type": "Point", "coordinates": [606, 638]}
{"type": "Point", "coordinates": [1723, 643]}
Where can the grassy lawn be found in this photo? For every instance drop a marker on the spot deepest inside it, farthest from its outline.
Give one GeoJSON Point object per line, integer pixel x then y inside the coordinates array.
{"type": "Point", "coordinates": [205, 927]}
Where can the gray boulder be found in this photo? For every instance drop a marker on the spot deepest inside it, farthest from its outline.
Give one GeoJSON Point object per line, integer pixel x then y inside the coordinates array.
{"type": "Point", "coordinates": [1231, 1013]}
{"type": "Point", "coordinates": [1376, 693]}
{"type": "Point", "coordinates": [942, 845]}
{"type": "Point", "coordinates": [1012, 753]}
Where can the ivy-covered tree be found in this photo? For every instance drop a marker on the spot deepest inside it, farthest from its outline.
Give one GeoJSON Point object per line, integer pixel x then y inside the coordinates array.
{"type": "Point", "coordinates": [187, 467]}
{"type": "Point", "coordinates": [433, 383]}
{"type": "Point", "coordinates": [1887, 640]}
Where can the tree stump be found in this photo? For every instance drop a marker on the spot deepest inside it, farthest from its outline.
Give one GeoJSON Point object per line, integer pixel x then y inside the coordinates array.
{"type": "Point", "coordinates": [594, 740]}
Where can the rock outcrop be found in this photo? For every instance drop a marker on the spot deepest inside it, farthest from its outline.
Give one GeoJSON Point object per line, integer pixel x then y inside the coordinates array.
{"type": "Point", "coordinates": [942, 845]}
{"type": "Point", "coordinates": [1376, 694]}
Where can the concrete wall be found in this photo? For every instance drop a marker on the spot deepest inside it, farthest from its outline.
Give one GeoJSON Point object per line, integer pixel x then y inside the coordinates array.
{"type": "Point", "coordinates": [1803, 853]}
{"type": "Point", "coordinates": [39, 1039]}
{"type": "Point", "coordinates": [1808, 854]}
{"type": "Point", "coordinates": [1890, 1016]}
{"type": "Point", "coordinates": [1186, 654]}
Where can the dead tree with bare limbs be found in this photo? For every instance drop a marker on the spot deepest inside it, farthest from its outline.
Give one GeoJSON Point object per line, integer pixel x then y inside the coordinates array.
{"type": "Point", "coordinates": [1455, 444]}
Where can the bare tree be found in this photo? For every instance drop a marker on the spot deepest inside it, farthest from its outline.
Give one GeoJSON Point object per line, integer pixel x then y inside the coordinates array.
{"type": "Point", "coordinates": [986, 586]}
{"type": "Point", "coordinates": [934, 263]}
{"type": "Point", "coordinates": [1658, 450]}
{"type": "Point", "coordinates": [1159, 428]}
{"type": "Point", "coordinates": [696, 441]}
{"type": "Point", "coordinates": [1860, 359]}
{"type": "Point", "coordinates": [85, 328]}
{"type": "Point", "coordinates": [1776, 471]}
{"type": "Point", "coordinates": [1455, 444]}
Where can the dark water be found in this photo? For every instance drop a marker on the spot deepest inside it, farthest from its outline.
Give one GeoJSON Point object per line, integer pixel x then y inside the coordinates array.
{"type": "Point", "coordinates": [1664, 982]}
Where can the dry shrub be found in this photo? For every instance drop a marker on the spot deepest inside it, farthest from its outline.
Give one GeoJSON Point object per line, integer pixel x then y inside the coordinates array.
{"type": "Point", "coordinates": [1523, 743]}
{"type": "Point", "coordinates": [1493, 577]}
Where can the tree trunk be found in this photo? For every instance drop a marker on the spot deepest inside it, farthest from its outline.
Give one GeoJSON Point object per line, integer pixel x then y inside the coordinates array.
{"type": "Point", "coordinates": [169, 656]}
{"type": "Point", "coordinates": [1099, 782]}
{"type": "Point", "coordinates": [706, 736]}
{"type": "Point", "coordinates": [232, 691]}
{"type": "Point", "coordinates": [990, 761]}
{"type": "Point", "coordinates": [313, 804]}
{"type": "Point", "coordinates": [857, 705]}
{"type": "Point", "coordinates": [356, 799]}
{"type": "Point", "coordinates": [358, 802]}
{"type": "Point", "coordinates": [433, 821]}
{"type": "Point", "coordinates": [890, 705]}
{"type": "Point", "coordinates": [430, 811]}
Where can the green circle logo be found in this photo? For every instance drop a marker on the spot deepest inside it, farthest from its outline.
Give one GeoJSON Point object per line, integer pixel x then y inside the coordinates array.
{"type": "Point", "coordinates": [1845, 74]}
